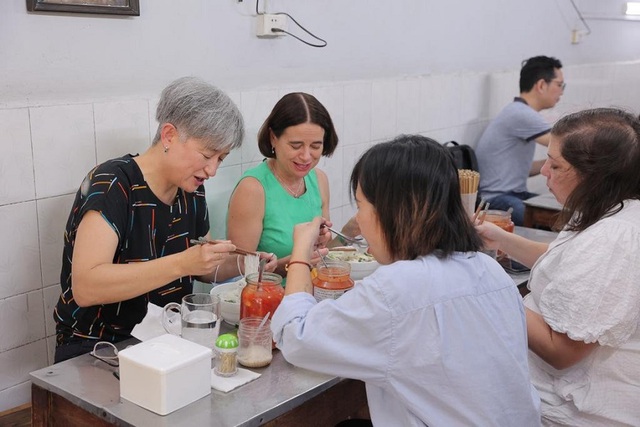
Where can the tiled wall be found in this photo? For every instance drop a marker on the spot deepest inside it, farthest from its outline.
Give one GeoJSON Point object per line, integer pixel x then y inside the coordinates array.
{"type": "Point", "coordinates": [47, 150]}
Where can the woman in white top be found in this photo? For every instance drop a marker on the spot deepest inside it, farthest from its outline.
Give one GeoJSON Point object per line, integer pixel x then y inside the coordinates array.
{"type": "Point", "coordinates": [583, 311]}
{"type": "Point", "coordinates": [437, 332]}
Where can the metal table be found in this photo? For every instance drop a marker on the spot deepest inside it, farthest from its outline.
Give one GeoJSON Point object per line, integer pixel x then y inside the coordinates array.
{"type": "Point", "coordinates": [83, 391]}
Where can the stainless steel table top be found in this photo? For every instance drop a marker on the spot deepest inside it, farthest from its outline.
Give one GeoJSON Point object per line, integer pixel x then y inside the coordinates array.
{"type": "Point", "coordinates": [91, 385]}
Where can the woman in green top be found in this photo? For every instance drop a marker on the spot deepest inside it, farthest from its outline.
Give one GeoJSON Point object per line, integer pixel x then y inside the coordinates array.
{"type": "Point", "coordinates": [286, 188]}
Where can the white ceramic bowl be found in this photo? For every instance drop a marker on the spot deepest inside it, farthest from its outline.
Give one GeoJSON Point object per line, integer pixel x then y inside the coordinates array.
{"type": "Point", "coordinates": [229, 300]}
{"type": "Point", "coordinates": [359, 269]}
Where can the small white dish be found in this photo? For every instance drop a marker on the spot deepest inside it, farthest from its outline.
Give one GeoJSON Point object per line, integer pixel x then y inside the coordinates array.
{"type": "Point", "coordinates": [229, 300]}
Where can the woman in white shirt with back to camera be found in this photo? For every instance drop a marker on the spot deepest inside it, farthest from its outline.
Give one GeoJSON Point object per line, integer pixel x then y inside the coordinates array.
{"type": "Point", "coordinates": [437, 333]}
{"type": "Point", "coordinates": [583, 311]}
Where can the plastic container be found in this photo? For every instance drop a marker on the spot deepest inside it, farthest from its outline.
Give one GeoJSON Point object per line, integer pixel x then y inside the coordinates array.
{"type": "Point", "coordinates": [226, 355]}
{"type": "Point", "coordinates": [256, 300]}
{"type": "Point", "coordinates": [255, 343]}
{"type": "Point", "coordinates": [165, 373]}
{"type": "Point", "coordinates": [332, 280]}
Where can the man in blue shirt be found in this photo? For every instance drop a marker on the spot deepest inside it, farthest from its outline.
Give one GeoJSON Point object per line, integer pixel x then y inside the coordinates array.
{"type": "Point", "coordinates": [506, 148]}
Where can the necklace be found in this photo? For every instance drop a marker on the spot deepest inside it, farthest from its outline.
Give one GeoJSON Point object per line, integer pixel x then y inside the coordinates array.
{"type": "Point", "coordinates": [295, 193]}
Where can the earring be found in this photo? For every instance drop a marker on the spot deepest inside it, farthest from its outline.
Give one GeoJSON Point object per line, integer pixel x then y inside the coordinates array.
{"type": "Point", "coordinates": [166, 148]}
{"type": "Point", "coordinates": [273, 151]}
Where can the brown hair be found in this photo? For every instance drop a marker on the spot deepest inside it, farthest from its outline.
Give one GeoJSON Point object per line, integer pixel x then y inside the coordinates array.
{"type": "Point", "coordinates": [294, 109]}
{"type": "Point", "coordinates": [603, 147]}
{"type": "Point", "coordinates": [412, 182]}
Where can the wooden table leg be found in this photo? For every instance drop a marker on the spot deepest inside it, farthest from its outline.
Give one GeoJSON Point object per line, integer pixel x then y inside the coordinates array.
{"type": "Point", "coordinates": [347, 399]}
{"type": "Point", "coordinates": [50, 409]}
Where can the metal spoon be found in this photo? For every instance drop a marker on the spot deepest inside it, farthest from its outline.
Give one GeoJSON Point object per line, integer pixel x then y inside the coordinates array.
{"type": "Point", "coordinates": [261, 265]}
{"type": "Point", "coordinates": [356, 240]}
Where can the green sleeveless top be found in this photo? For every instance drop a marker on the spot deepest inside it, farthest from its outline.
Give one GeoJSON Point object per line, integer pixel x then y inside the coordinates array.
{"type": "Point", "coordinates": [282, 211]}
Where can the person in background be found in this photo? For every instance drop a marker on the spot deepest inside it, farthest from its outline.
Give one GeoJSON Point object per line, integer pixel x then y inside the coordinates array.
{"type": "Point", "coordinates": [127, 238]}
{"type": "Point", "coordinates": [437, 332]}
{"type": "Point", "coordinates": [583, 311]}
{"type": "Point", "coordinates": [506, 148]}
{"type": "Point", "coordinates": [286, 188]}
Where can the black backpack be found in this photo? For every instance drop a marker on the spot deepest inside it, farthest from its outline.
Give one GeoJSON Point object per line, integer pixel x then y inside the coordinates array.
{"type": "Point", "coordinates": [463, 156]}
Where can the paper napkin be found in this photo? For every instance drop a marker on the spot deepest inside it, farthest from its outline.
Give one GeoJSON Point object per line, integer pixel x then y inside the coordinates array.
{"type": "Point", "coordinates": [226, 384]}
{"type": "Point", "coordinates": [151, 325]}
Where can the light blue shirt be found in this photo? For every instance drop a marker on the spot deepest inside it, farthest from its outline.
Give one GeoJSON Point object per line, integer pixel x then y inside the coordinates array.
{"type": "Point", "coordinates": [438, 342]}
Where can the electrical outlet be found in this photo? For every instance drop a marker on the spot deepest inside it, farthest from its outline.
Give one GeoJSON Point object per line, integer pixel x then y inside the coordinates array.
{"type": "Point", "coordinates": [267, 22]}
{"type": "Point", "coordinates": [576, 36]}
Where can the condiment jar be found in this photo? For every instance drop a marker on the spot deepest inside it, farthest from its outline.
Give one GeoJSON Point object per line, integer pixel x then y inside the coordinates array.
{"type": "Point", "coordinates": [226, 349]}
{"type": "Point", "coordinates": [333, 280]}
{"type": "Point", "coordinates": [258, 299]}
{"type": "Point", "coordinates": [503, 220]}
{"type": "Point", "coordinates": [255, 342]}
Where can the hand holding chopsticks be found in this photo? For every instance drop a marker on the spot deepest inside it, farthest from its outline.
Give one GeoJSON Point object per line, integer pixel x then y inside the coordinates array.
{"type": "Point", "coordinates": [203, 241]}
{"type": "Point", "coordinates": [481, 212]}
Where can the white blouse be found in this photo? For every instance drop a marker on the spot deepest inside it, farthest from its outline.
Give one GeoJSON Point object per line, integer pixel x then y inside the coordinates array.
{"type": "Point", "coordinates": [587, 285]}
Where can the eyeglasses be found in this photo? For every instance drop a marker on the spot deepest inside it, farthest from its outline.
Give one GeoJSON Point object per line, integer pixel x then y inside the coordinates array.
{"type": "Point", "coordinates": [560, 84]}
{"type": "Point", "coordinates": [106, 352]}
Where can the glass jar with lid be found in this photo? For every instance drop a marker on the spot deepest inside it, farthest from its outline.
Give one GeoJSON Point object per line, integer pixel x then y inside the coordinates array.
{"type": "Point", "coordinates": [258, 299]}
{"type": "Point", "coordinates": [332, 280]}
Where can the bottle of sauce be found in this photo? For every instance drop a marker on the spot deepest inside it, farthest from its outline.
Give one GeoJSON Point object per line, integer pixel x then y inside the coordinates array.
{"type": "Point", "coordinates": [332, 280]}
{"type": "Point", "coordinates": [258, 299]}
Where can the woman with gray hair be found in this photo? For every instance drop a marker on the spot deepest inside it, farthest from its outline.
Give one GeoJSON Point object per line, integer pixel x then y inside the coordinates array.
{"type": "Point", "coordinates": [127, 238]}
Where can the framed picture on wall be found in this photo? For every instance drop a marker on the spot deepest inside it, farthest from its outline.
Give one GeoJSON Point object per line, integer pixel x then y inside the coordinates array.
{"type": "Point", "coordinates": [109, 7]}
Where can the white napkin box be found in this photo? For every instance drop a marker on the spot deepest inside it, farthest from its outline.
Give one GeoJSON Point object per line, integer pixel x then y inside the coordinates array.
{"type": "Point", "coordinates": [165, 373]}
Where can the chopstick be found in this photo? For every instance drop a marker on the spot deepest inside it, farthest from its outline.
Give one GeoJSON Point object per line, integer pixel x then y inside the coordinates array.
{"type": "Point", "coordinates": [480, 206]}
{"type": "Point", "coordinates": [238, 251]}
{"type": "Point", "coordinates": [483, 214]}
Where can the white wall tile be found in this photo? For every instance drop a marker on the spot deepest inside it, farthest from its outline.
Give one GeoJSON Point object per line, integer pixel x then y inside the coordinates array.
{"type": "Point", "coordinates": [429, 104]}
{"type": "Point", "coordinates": [357, 113]}
{"type": "Point", "coordinates": [51, 349]}
{"type": "Point", "coordinates": [121, 128]}
{"type": "Point", "coordinates": [16, 160]}
{"type": "Point", "coordinates": [408, 111]}
{"type": "Point", "coordinates": [334, 169]}
{"type": "Point", "coordinates": [384, 96]}
{"type": "Point", "coordinates": [256, 106]}
{"type": "Point", "coordinates": [351, 154]}
{"type": "Point", "coordinates": [50, 295]}
{"type": "Point", "coordinates": [218, 191]}
{"type": "Point", "coordinates": [52, 219]}
{"type": "Point", "coordinates": [15, 364]}
{"type": "Point", "coordinates": [332, 97]}
{"type": "Point", "coordinates": [15, 396]}
{"type": "Point", "coordinates": [21, 320]}
{"type": "Point", "coordinates": [235, 156]}
{"type": "Point", "coordinates": [20, 260]}
{"type": "Point", "coordinates": [153, 123]}
{"type": "Point", "coordinates": [474, 98]}
{"type": "Point", "coordinates": [63, 147]}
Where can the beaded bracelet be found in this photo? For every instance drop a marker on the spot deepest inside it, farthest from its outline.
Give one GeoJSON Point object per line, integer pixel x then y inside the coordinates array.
{"type": "Point", "coordinates": [286, 267]}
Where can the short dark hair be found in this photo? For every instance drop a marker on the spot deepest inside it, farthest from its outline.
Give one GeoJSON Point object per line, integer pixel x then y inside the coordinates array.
{"type": "Point", "coordinates": [294, 109]}
{"type": "Point", "coordinates": [603, 147]}
{"type": "Point", "coordinates": [536, 68]}
{"type": "Point", "coordinates": [413, 185]}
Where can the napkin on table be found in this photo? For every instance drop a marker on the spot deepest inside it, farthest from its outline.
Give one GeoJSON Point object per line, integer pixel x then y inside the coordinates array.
{"type": "Point", "coordinates": [226, 384]}
{"type": "Point", "coordinates": [151, 325]}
